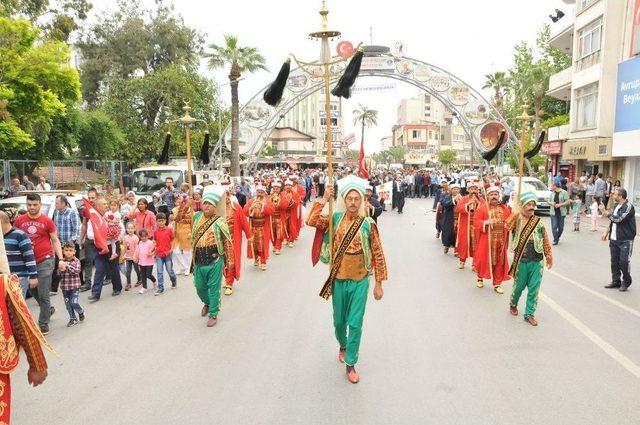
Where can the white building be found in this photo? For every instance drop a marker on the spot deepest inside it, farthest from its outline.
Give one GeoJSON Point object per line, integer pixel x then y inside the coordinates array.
{"type": "Point", "coordinates": [309, 117]}
{"type": "Point", "coordinates": [593, 35]}
{"type": "Point", "coordinates": [421, 109]}
{"type": "Point", "coordinates": [386, 142]}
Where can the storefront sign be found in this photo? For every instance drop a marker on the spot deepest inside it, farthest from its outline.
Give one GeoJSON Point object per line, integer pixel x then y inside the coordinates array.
{"type": "Point", "coordinates": [552, 148]}
{"type": "Point", "coordinates": [627, 127]}
{"type": "Point", "coordinates": [577, 149]}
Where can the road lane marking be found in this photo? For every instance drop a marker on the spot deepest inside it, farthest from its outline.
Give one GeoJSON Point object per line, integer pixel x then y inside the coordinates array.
{"type": "Point", "coordinates": [596, 293]}
{"type": "Point", "coordinates": [623, 360]}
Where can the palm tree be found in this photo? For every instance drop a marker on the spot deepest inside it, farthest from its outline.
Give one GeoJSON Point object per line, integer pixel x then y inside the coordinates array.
{"type": "Point", "coordinates": [240, 59]}
{"type": "Point", "coordinates": [365, 116]}
{"type": "Point", "coordinates": [498, 82]}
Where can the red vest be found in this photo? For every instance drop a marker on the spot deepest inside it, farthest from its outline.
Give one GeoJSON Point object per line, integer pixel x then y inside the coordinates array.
{"type": "Point", "coordinates": [8, 349]}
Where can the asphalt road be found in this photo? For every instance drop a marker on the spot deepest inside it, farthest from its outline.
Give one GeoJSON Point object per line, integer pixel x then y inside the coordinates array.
{"type": "Point", "coordinates": [435, 350]}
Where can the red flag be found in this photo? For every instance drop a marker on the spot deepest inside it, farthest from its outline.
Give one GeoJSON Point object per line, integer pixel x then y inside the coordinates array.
{"type": "Point", "coordinates": [99, 225]}
{"type": "Point", "coordinates": [362, 164]}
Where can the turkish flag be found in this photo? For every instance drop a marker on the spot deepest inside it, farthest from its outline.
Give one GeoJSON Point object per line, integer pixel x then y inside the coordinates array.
{"type": "Point", "coordinates": [99, 225]}
{"type": "Point", "coordinates": [362, 164]}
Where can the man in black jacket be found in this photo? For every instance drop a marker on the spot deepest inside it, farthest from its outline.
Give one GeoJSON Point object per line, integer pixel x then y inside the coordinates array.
{"type": "Point", "coordinates": [622, 231]}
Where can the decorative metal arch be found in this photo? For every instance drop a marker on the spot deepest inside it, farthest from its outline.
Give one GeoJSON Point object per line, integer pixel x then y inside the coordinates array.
{"type": "Point", "coordinates": [473, 111]}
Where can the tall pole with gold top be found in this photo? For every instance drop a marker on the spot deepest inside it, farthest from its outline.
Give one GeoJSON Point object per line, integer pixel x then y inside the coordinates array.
{"type": "Point", "coordinates": [326, 67]}
{"type": "Point", "coordinates": [187, 121]}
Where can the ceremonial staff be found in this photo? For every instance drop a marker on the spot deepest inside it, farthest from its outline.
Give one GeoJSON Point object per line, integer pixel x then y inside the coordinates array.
{"type": "Point", "coordinates": [525, 118]}
{"type": "Point", "coordinates": [187, 121]}
{"type": "Point", "coordinates": [323, 68]}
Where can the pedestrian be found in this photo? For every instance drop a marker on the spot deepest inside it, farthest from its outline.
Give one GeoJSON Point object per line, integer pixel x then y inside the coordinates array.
{"type": "Point", "coordinates": [87, 241]}
{"type": "Point", "coordinates": [27, 183]}
{"type": "Point", "coordinates": [163, 237]}
{"type": "Point", "coordinates": [467, 234]}
{"type": "Point", "coordinates": [69, 270]}
{"type": "Point", "coordinates": [67, 224]}
{"type": "Point", "coordinates": [144, 257]}
{"type": "Point", "coordinates": [46, 244]}
{"type": "Point", "coordinates": [531, 247]}
{"type": "Point", "coordinates": [182, 216]}
{"type": "Point", "coordinates": [600, 187]}
{"type": "Point", "coordinates": [490, 257]}
{"type": "Point", "coordinates": [209, 231]}
{"type": "Point", "coordinates": [448, 201]}
{"type": "Point", "coordinates": [128, 204]}
{"type": "Point", "coordinates": [144, 218]}
{"type": "Point", "coordinates": [576, 206]}
{"type": "Point", "coordinates": [22, 262]}
{"type": "Point", "coordinates": [593, 216]}
{"type": "Point", "coordinates": [622, 231]}
{"type": "Point", "coordinates": [358, 251]}
{"type": "Point", "coordinates": [558, 201]}
{"type": "Point", "coordinates": [42, 184]}
{"type": "Point", "coordinates": [259, 211]}
{"type": "Point", "coordinates": [590, 189]}
{"type": "Point", "coordinates": [374, 209]}
{"type": "Point", "coordinates": [507, 188]}
{"type": "Point", "coordinates": [114, 227]}
{"type": "Point", "coordinates": [398, 193]}
{"type": "Point", "coordinates": [15, 188]}
{"type": "Point", "coordinates": [168, 194]}
{"type": "Point", "coordinates": [106, 264]}
{"type": "Point", "coordinates": [130, 241]}
{"type": "Point", "coordinates": [196, 200]}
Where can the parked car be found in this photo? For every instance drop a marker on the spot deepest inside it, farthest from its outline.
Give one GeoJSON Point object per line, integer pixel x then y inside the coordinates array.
{"type": "Point", "coordinates": [17, 205]}
{"type": "Point", "coordinates": [533, 184]}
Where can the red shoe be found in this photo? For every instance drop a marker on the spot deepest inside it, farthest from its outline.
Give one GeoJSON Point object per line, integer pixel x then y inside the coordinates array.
{"type": "Point", "coordinates": [138, 283]}
{"type": "Point", "coordinates": [513, 309]}
{"type": "Point", "coordinates": [352, 375]}
{"type": "Point", "coordinates": [128, 287]}
{"type": "Point", "coordinates": [531, 320]}
{"type": "Point", "coordinates": [211, 322]}
{"type": "Point", "coordinates": [341, 354]}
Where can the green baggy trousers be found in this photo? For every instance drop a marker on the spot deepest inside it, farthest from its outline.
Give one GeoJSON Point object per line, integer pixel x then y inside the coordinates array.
{"type": "Point", "coordinates": [349, 301]}
{"type": "Point", "coordinates": [208, 282]}
{"type": "Point", "coordinates": [529, 275]}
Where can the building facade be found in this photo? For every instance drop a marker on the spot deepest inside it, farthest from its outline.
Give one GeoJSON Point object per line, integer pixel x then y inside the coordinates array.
{"type": "Point", "coordinates": [594, 37]}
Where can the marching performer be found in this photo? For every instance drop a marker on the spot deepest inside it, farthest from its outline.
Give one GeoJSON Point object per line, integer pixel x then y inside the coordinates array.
{"type": "Point", "coordinates": [447, 203]}
{"type": "Point", "coordinates": [237, 223]}
{"type": "Point", "coordinates": [490, 257]}
{"type": "Point", "coordinates": [293, 202]}
{"type": "Point", "coordinates": [302, 194]}
{"type": "Point", "coordinates": [467, 233]}
{"type": "Point", "coordinates": [210, 240]}
{"type": "Point", "coordinates": [259, 210]}
{"type": "Point", "coordinates": [17, 330]}
{"type": "Point", "coordinates": [278, 225]}
{"type": "Point", "coordinates": [531, 247]}
{"type": "Point", "coordinates": [356, 249]}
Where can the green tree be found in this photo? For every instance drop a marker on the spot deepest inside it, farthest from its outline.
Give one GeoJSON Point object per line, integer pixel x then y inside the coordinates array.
{"type": "Point", "coordinates": [269, 151]}
{"type": "Point", "coordinates": [499, 83]}
{"type": "Point", "coordinates": [98, 136]}
{"type": "Point", "coordinates": [366, 117]}
{"type": "Point", "coordinates": [529, 77]}
{"type": "Point", "coordinates": [240, 59]}
{"type": "Point", "coordinates": [57, 19]}
{"type": "Point", "coordinates": [446, 157]}
{"type": "Point", "coordinates": [36, 88]}
{"type": "Point", "coordinates": [397, 153]}
{"type": "Point", "coordinates": [352, 154]}
{"type": "Point", "coordinates": [134, 42]}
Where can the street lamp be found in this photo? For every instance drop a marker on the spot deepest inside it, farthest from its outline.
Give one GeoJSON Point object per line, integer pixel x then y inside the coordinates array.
{"type": "Point", "coordinates": [187, 121]}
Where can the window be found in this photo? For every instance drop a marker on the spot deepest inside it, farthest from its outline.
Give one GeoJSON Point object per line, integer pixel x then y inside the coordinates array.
{"type": "Point", "coordinates": [586, 101]}
{"type": "Point", "coordinates": [415, 134]}
{"type": "Point", "coordinates": [590, 38]}
{"type": "Point", "coordinates": [586, 3]}
{"type": "Point", "coordinates": [334, 121]}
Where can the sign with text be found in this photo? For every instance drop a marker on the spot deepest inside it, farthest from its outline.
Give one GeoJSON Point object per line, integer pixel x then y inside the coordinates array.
{"type": "Point", "coordinates": [627, 124]}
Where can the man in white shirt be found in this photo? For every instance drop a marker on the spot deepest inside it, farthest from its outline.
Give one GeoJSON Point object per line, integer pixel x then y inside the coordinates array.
{"type": "Point", "coordinates": [42, 184]}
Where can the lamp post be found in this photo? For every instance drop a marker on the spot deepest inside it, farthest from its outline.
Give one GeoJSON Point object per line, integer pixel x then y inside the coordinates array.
{"type": "Point", "coordinates": [187, 121]}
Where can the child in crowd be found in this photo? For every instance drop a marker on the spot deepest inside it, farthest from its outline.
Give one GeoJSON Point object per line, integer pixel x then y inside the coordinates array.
{"type": "Point", "coordinates": [144, 257]}
{"type": "Point", "coordinates": [130, 241]}
{"type": "Point", "coordinates": [163, 237]}
{"type": "Point", "coordinates": [114, 227]}
{"type": "Point", "coordinates": [576, 203]}
{"type": "Point", "coordinates": [69, 271]}
{"type": "Point", "coordinates": [593, 208]}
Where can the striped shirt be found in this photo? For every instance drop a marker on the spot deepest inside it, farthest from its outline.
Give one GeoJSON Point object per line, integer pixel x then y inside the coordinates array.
{"type": "Point", "coordinates": [67, 225]}
{"type": "Point", "coordinates": [20, 253]}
